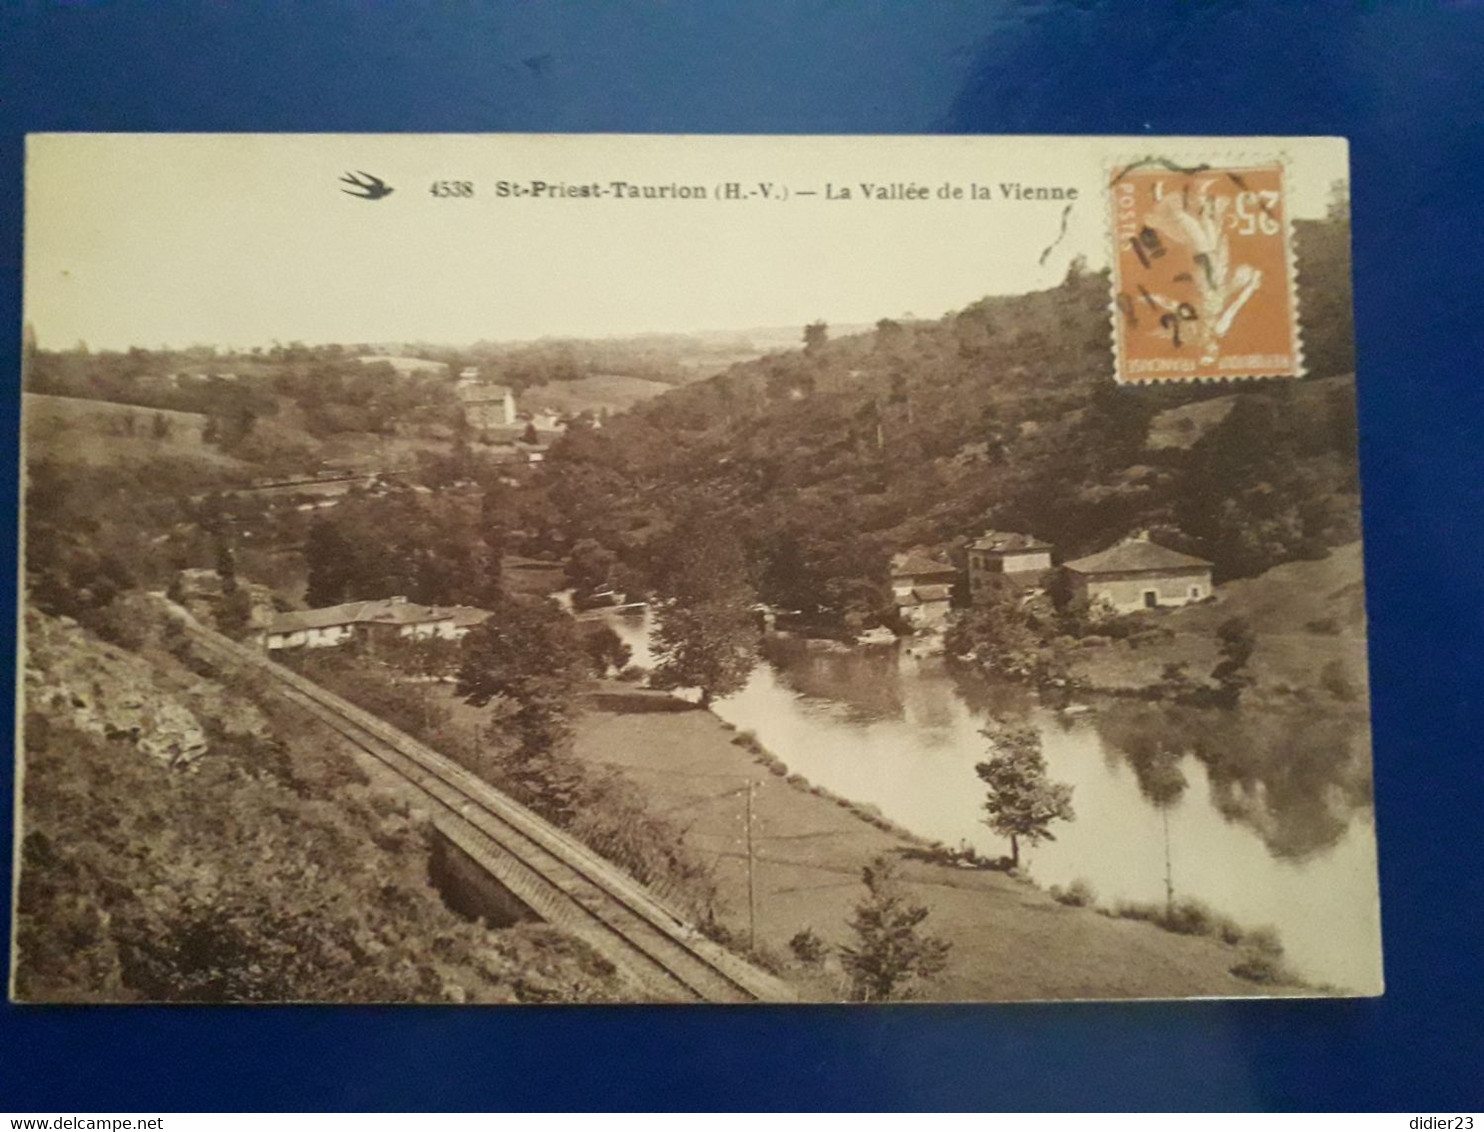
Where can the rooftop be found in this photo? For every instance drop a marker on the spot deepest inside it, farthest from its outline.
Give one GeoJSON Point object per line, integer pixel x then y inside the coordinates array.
{"type": "Point", "coordinates": [913, 564]}
{"type": "Point", "coordinates": [383, 611]}
{"type": "Point", "coordinates": [481, 391]}
{"type": "Point", "coordinates": [1004, 541]}
{"type": "Point", "coordinates": [1135, 554]}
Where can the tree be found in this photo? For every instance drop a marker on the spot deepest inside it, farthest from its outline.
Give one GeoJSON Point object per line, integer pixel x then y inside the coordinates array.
{"type": "Point", "coordinates": [709, 647]}
{"type": "Point", "coordinates": [160, 426]}
{"type": "Point", "coordinates": [590, 564]}
{"type": "Point", "coordinates": [527, 659]}
{"type": "Point", "coordinates": [530, 436]}
{"type": "Point", "coordinates": [889, 954]}
{"type": "Point", "coordinates": [816, 334]}
{"type": "Point", "coordinates": [226, 566]}
{"type": "Point", "coordinates": [526, 652]}
{"type": "Point", "coordinates": [1236, 644]}
{"type": "Point", "coordinates": [1001, 631]}
{"type": "Point", "coordinates": [706, 637]}
{"type": "Point", "coordinates": [330, 559]}
{"type": "Point", "coordinates": [234, 612]}
{"type": "Point", "coordinates": [891, 337]}
{"type": "Point", "coordinates": [606, 650]}
{"type": "Point", "coordinates": [1022, 801]}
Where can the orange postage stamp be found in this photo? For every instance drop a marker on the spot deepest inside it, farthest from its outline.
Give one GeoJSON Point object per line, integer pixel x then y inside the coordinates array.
{"type": "Point", "coordinates": [1203, 283]}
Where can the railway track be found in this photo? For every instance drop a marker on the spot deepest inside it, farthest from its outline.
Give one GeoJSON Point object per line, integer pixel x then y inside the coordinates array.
{"type": "Point", "coordinates": [555, 875]}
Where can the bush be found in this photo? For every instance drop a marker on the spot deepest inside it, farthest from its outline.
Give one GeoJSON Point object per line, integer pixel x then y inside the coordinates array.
{"type": "Point", "coordinates": [807, 947]}
{"type": "Point", "coordinates": [1326, 626]}
{"type": "Point", "coordinates": [1146, 913]}
{"type": "Point", "coordinates": [1265, 940]}
{"type": "Point", "coordinates": [1078, 894]}
{"type": "Point", "coordinates": [1189, 917]}
{"type": "Point", "coordinates": [1229, 931]}
{"type": "Point", "coordinates": [1263, 969]}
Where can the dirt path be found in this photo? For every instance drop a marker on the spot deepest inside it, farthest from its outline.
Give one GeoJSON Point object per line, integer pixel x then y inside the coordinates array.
{"type": "Point", "coordinates": [1010, 940]}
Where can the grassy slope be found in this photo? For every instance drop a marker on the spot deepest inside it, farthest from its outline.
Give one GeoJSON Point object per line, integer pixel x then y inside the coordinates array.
{"type": "Point", "coordinates": [611, 392]}
{"type": "Point", "coordinates": [88, 432]}
{"type": "Point", "coordinates": [1010, 940]}
{"type": "Point", "coordinates": [289, 857]}
{"type": "Point", "coordinates": [1278, 604]}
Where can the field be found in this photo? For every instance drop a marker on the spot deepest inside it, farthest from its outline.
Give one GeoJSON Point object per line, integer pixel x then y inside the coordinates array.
{"type": "Point", "coordinates": [103, 432]}
{"type": "Point", "coordinates": [611, 393]}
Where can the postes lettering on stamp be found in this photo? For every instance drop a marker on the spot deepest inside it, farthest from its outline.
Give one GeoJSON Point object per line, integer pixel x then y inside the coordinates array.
{"type": "Point", "coordinates": [1202, 274]}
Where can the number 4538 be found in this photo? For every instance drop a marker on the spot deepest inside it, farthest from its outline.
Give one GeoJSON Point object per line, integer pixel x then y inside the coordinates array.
{"type": "Point", "coordinates": [452, 189]}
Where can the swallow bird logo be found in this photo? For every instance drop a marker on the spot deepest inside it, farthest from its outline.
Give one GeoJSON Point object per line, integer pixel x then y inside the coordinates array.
{"type": "Point", "coordinates": [365, 186]}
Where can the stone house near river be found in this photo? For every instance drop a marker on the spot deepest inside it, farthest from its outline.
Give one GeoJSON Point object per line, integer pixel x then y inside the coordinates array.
{"type": "Point", "coordinates": [1139, 574]}
{"type": "Point", "coordinates": [1133, 574]}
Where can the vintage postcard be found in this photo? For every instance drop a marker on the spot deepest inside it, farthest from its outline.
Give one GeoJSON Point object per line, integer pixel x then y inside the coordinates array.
{"type": "Point", "coordinates": [540, 569]}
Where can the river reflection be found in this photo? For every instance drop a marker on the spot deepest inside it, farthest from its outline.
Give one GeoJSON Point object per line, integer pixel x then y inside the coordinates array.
{"type": "Point", "coordinates": [1268, 816]}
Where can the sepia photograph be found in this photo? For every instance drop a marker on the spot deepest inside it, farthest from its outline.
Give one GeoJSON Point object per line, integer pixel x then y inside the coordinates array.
{"type": "Point", "coordinates": [498, 569]}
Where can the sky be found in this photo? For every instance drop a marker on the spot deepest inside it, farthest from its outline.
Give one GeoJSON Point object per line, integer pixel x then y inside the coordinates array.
{"type": "Point", "coordinates": [242, 240]}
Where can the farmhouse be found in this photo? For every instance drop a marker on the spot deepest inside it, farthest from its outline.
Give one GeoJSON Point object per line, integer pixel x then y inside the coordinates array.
{"type": "Point", "coordinates": [384, 620]}
{"type": "Point", "coordinates": [486, 405]}
{"type": "Point", "coordinates": [1021, 558]}
{"type": "Point", "coordinates": [922, 589]}
{"type": "Point", "coordinates": [1139, 574]}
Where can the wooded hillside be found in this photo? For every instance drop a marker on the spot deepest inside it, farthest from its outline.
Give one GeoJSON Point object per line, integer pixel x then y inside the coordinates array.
{"type": "Point", "coordinates": [829, 458]}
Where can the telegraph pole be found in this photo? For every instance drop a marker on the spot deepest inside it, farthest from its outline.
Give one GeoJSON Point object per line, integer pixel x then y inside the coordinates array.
{"type": "Point", "coordinates": [751, 873]}
{"type": "Point", "coordinates": [1169, 876]}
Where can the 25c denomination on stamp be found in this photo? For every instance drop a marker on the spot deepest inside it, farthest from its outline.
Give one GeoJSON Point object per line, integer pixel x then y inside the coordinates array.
{"type": "Point", "coordinates": [1203, 281]}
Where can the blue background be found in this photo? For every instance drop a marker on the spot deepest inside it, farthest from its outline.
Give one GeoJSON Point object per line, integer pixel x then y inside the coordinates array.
{"type": "Point", "coordinates": [1405, 84]}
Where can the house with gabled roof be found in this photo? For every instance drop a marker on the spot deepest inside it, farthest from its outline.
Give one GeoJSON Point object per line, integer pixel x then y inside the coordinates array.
{"type": "Point", "coordinates": [485, 404]}
{"type": "Point", "coordinates": [1139, 574]}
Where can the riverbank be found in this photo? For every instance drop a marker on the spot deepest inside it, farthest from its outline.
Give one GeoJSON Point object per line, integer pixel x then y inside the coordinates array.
{"type": "Point", "coordinates": [1011, 941]}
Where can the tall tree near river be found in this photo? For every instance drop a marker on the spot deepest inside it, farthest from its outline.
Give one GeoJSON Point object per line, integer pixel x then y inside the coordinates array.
{"type": "Point", "coordinates": [707, 633]}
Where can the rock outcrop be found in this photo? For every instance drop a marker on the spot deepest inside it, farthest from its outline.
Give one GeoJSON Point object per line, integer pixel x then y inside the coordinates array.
{"type": "Point", "coordinates": [75, 678]}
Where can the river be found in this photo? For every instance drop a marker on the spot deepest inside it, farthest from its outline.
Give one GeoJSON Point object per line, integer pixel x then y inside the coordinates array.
{"type": "Point", "coordinates": [1269, 819]}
